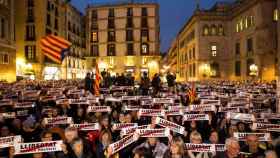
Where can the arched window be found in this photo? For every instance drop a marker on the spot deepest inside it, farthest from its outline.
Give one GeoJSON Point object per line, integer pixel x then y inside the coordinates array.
{"type": "Point", "coordinates": [221, 30]}
{"type": "Point", "coordinates": [213, 30]}
{"type": "Point", "coordinates": [144, 48]}
{"type": "Point", "coordinates": [237, 27]}
{"type": "Point", "coordinates": [205, 30]}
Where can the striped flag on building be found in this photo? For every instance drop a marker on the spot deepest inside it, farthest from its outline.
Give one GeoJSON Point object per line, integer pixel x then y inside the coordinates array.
{"type": "Point", "coordinates": [55, 48]}
{"type": "Point", "coordinates": [97, 81]}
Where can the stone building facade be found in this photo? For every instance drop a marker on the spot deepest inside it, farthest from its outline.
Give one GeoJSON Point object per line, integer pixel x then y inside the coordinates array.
{"type": "Point", "coordinates": [236, 41]}
{"type": "Point", "coordinates": [7, 41]}
{"type": "Point", "coordinates": [123, 37]}
{"type": "Point", "coordinates": [36, 19]}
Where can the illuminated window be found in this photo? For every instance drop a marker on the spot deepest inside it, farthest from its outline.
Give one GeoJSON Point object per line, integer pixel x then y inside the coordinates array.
{"type": "Point", "coordinates": [213, 30]}
{"type": "Point", "coordinates": [94, 37]}
{"type": "Point", "coordinates": [251, 21]}
{"type": "Point", "coordinates": [214, 50]}
{"type": "Point", "coordinates": [246, 22]}
{"type": "Point", "coordinates": [241, 25]}
{"type": "Point", "coordinates": [205, 30]}
{"type": "Point", "coordinates": [237, 27]}
{"type": "Point", "coordinates": [275, 15]}
{"type": "Point", "coordinates": [144, 48]}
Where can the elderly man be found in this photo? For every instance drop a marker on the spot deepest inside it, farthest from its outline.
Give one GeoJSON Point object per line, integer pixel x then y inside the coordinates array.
{"type": "Point", "coordinates": [254, 147]}
{"type": "Point", "coordinates": [232, 149]}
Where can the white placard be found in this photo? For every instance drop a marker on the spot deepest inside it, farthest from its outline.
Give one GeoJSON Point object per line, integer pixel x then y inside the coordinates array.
{"type": "Point", "coordinates": [203, 107]}
{"type": "Point", "coordinates": [241, 116]}
{"type": "Point", "coordinates": [151, 112]}
{"type": "Point", "coordinates": [266, 127]}
{"type": "Point", "coordinates": [58, 120]}
{"type": "Point", "coordinates": [119, 126]}
{"type": "Point", "coordinates": [171, 125]}
{"type": "Point", "coordinates": [263, 137]}
{"type": "Point", "coordinates": [119, 145]}
{"type": "Point", "coordinates": [9, 141]}
{"type": "Point", "coordinates": [24, 105]}
{"type": "Point", "coordinates": [38, 147]}
{"type": "Point", "coordinates": [98, 109]}
{"type": "Point", "coordinates": [78, 101]}
{"type": "Point", "coordinates": [128, 131]}
{"type": "Point", "coordinates": [86, 126]}
{"type": "Point", "coordinates": [163, 101]}
{"type": "Point", "coordinates": [196, 117]}
{"type": "Point", "coordinates": [164, 132]}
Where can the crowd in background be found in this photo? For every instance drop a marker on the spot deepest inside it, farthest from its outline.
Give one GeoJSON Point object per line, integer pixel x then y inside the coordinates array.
{"type": "Point", "coordinates": [95, 144]}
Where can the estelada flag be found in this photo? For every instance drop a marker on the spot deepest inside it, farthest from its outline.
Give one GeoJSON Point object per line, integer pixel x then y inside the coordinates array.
{"type": "Point", "coordinates": [191, 93]}
{"type": "Point", "coordinates": [97, 81]}
{"type": "Point", "coordinates": [55, 48]}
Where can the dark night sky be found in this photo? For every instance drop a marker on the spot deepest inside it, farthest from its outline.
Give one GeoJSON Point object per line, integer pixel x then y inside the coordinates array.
{"type": "Point", "coordinates": [173, 15]}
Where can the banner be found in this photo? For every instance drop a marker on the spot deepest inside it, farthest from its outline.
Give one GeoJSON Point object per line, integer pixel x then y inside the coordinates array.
{"type": "Point", "coordinates": [164, 132]}
{"type": "Point", "coordinates": [78, 101]}
{"type": "Point", "coordinates": [132, 107]}
{"type": "Point", "coordinates": [119, 145]}
{"type": "Point", "coordinates": [98, 109]}
{"type": "Point", "coordinates": [270, 115]}
{"type": "Point", "coordinates": [112, 99]}
{"type": "Point", "coordinates": [8, 115]}
{"type": "Point", "coordinates": [266, 127]}
{"type": "Point", "coordinates": [174, 112]}
{"type": "Point", "coordinates": [128, 131]}
{"type": "Point", "coordinates": [22, 113]}
{"type": "Point", "coordinates": [203, 107]}
{"type": "Point", "coordinates": [241, 116]}
{"type": "Point", "coordinates": [229, 109]}
{"type": "Point", "coordinates": [6, 102]}
{"type": "Point", "coordinates": [210, 101]}
{"type": "Point", "coordinates": [172, 126]}
{"type": "Point", "coordinates": [163, 101]}
{"type": "Point", "coordinates": [62, 102]}
{"type": "Point", "coordinates": [196, 117]}
{"type": "Point", "coordinates": [24, 105]}
{"type": "Point", "coordinates": [119, 126]}
{"type": "Point", "coordinates": [199, 147]}
{"type": "Point", "coordinates": [129, 98]}
{"type": "Point", "coordinates": [146, 102]}
{"type": "Point", "coordinates": [151, 112]}
{"type": "Point", "coordinates": [263, 137]}
{"type": "Point", "coordinates": [38, 147]}
{"type": "Point", "coordinates": [204, 147]}
{"type": "Point", "coordinates": [86, 126]}
{"type": "Point", "coordinates": [9, 141]}
{"type": "Point", "coordinates": [58, 120]}
{"type": "Point", "coordinates": [47, 98]}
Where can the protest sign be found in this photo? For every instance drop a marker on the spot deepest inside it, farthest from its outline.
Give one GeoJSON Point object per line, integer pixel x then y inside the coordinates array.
{"type": "Point", "coordinates": [119, 145]}
{"type": "Point", "coordinates": [86, 126]}
{"type": "Point", "coordinates": [58, 120]}
{"type": "Point", "coordinates": [263, 137]}
{"type": "Point", "coordinates": [98, 109]}
{"type": "Point", "coordinates": [9, 141]}
{"type": "Point", "coordinates": [171, 125]}
{"type": "Point", "coordinates": [164, 132]}
{"type": "Point", "coordinates": [196, 117]}
{"type": "Point", "coordinates": [37, 147]}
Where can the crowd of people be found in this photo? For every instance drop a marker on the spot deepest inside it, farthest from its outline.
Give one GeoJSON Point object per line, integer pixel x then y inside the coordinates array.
{"type": "Point", "coordinates": [219, 129]}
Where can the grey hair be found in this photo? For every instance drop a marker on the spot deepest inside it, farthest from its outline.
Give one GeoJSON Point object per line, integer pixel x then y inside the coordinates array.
{"type": "Point", "coordinates": [271, 153]}
{"type": "Point", "coordinates": [231, 140]}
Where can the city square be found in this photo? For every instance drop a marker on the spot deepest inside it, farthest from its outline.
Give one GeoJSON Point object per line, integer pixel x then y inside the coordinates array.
{"type": "Point", "coordinates": [139, 79]}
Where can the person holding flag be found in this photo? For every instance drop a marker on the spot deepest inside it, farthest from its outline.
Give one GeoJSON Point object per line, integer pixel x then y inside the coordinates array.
{"type": "Point", "coordinates": [191, 93]}
{"type": "Point", "coordinates": [97, 81]}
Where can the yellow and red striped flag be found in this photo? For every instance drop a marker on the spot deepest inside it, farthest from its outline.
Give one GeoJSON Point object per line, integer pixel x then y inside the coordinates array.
{"type": "Point", "coordinates": [97, 81]}
{"type": "Point", "coordinates": [191, 93]}
{"type": "Point", "coordinates": [55, 48]}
